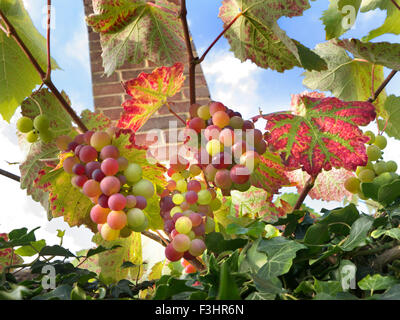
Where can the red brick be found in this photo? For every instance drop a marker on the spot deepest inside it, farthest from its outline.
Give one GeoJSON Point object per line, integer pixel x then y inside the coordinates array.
{"type": "Point", "coordinates": [106, 89]}
{"type": "Point", "coordinates": [93, 35]}
{"type": "Point", "coordinates": [129, 65]}
{"type": "Point", "coordinates": [101, 78]}
{"type": "Point", "coordinates": [162, 122]}
{"type": "Point", "coordinates": [97, 66]}
{"type": "Point", "coordinates": [131, 74]}
{"type": "Point", "coordinates": [200, 92]}
{"type": "Point", "coordinates": [95, 46]}
{"type": "Point", "coordinates": [113, 114]}
{"type": "Point", "coordinates": [178, 107]}
{"type": "Point", "coordinates": [144, 139]}
{"type": "Point", "coordinates": [110, 101]}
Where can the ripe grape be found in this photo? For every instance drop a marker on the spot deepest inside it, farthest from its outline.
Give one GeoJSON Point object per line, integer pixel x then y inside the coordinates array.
{"type": "Point", "coordinates": [117, 202]}
{"type": "Point", "coordinates": [122, 179]}
{"type": "Point", "coordinates": [79, 181]}
{"type": "Point", "coordinates": [196, 219]}
{"type": "Point", "coordinates": [212, 132]}
{"type": "Point", "coordinates": [239, 174]}
{"type": "Point", "coordinates": [110, 185]}
{"type": "Point", "coordinates": [199, 230]}
{"type": "Point", "coordinates": [87, 154]}
{"type": "Point", "coordinates": [197, 247]}
{"type": "Point", "coordinates": [109, 151]}
{"type": "Point", "coordinates": [366, 175]}
{"type": "Point", "coordinates": [216, 106]}
{"type": "Point", "coordinates": [171, 254]}
{"type": "Point", "coordinates": [197, 124]}
{"type": "Point", "coordinates": [117, 220]}
{"type": "Point", "coordinates": [191, 197]}
{"type": "Point", "coordinates": [204, 112]}
{"type": "Point", "coordinates": [109, 166]}
{"type": "Point", "coordinates": [223, 179]}
{"type": "Point", "coordinates": [108, 234]}
{"type": "Point", "coordinates": [210, 172]}
{"type": "Point", "coordinates": [380, 167]}
{"type": "Point", "coordinates": [194, 170]}
{"type": "Point", "coordinates": [130, 201]}
{"type": "Point", "coordinates": [72, 146]}
{"type": "Point", "coordinates": [98, 175]}
{"type": "Point", "coordinates": [91, 166]}
{"type": "Point", "coordinates": [181, 242]}
{"type": "Point", "coordinates": [123, 163]}
{"type": "Point", "coordinates": [391, 166]}
{"type": "Point", "coordinates": [247, 125]}
{"type": "Point", "coordinates": [62, 142]}
{"type": "Point", "coordinates": [99, 140]}
{"type": "Point", "coordinates": [226, 137]}
{"type": "Point", "coordinates": [91, 188]}
{"type": "Point", "coordinates": [41, 122]}
{"type": "Point", "coordinates": [373, 152]}
{"type": "Point", "coordinates": [220, 119]}
{"type": "Point", "coordinates": [136, 218]}
{"type": "Point", "coordinates": [32, 136]}
{"type": "Point", "coordinates": [239, 148]}
{"type": "Point", "coordinates": [205, 197]}
{"type": "Point", "coordinates": [250, 159]}
{"type": "Point", "coordinates": [103, 201]}
{"type": "Point", "coordinates": [183, 225]}
{"type": "Point", "coordinates": [236, 122]}
{"type": "Point", "coordinates": [141, 202]}
{"type": "Point", "coordinates": [222, 160]}
{"type": "Point", "coordinates": [169, 225]}
{"type": "Point", "coordinates": [352, 185]}
{"type": "Point", "coordinates": [69, 163]}
{"type": "Point", "coordinates": [24, 124]}
{"type": "Point", "coordinates": [260, 146]}
{"type": "Point", "coordinates": [143, 188]}
{"type": "Point", "coordinates": [213, 147]}
{"type": "Point", "coordinates": [380, 142]}
{"type": "Point", "coordinates": [194, 185]}
{"type": "Point", "coordinates": [78, 169]}
{"type": "Point", "coordinates": [133, 172]}
{"type": "Point", "coordinates": [99, 214]}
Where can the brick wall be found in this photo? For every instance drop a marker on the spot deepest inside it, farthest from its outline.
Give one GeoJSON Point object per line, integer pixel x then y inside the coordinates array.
{"type": "Point", "coordinates": [108, 93]}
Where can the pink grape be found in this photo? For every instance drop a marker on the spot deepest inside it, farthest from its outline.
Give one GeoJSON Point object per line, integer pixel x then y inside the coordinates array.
{"type": "Point", "coordinates": [91, 166]}
{"type": "Point", "coordinates": [87, 154]}
{"type": "Point", "coordinates": [79, 181]}
{"type": "Point", "coordinates": [191, 197]}
{"type": "Point", "coordinates": [210, 172]}
{"type": "Point", "coordinates": [226, 137]}
{"type": "Point", "coordinates": [98, 175]}
{"type": "Point", "coordinates": [181, 243]}
{"type": "Point", "coordinates": [247, 124]}
{"type": "Point", "coordinates": [123, 163]}
{"type": "Point", "coordinates": [239, 174]}
{"type": "Point", "coordinates": [109, 166]}
{"type": "Point", "coordinates": [199, 230]}
{"type": "Point", "coordinates": [184, 206]}
{"type": "Point", "coordinates": [212, 132]}
{"type": "Point", "coordinates": [99, 214]}
{"type": "Point", "coordinates": [197, 124]}
{"type": "Point", "coordinates": [171, 254]}
{"type": "Point", "coordinates": [194, 185]}
{"type": "Point", "coordinates": [78, 169]}
{"type": "Point", "coordinates": [216, 106]}
{"type": "Point", "coordinates": [110, 185]}
{"type": "Point", "coordinates": [91, 188]}
{"type": "Point", "coordinates": [122, 179]}
{"type": "Point", "coordinates": [72, 146]}
{"type": "Point", "coordinates": [239, 148]}
{"type": "Point", "coordinates": [197, 247]}
{"type": "Point", "coordinates": [99, 140]}
{"type": "Point", "coordinates": [103, 201]}
{"type": "Point", "coordinates": [80, 138]}
{"type": "Point", "coordinates": [117, 220]}
{"type": "Point", "coordinates": [78, 149]}
{"type": "Point", "coordinates": [169, 225]}
{"type": "Point", "coordinates": [222, 179]}
{"type": "Point", "coordinates": [187, 256]}
{"type": "Point", "coordinates": [130, 201]}
{"type": "Point", "coordinates": [222, 160]}
{"type": "Point", "coordinates": [141, 202]}
{"type": "Point", "coordinates": [196, 219]}
{"type": "Point", "coordinates": [69, 163]}
{"type": "Point", "coordinates": [174, 233]}
{"type": "Point", "coordinates": [177, 216]}
{"type": "Point", "coordinates": [117, 202]}
{"type": "Point", "coordinates": [109, 151]}
{"type": "Point", "coordinates": [87, 135]}
{"type": "Point", "coordinates": [220, 119]}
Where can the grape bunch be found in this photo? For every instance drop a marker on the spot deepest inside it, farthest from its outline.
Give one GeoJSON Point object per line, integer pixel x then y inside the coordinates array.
{"type": "Point", "coordinates": [115, 186]}
{"type": "Point", "coordinates": [228, 148]}
{"type": "Point", "coordinates": [38, 128]}
{"type": "Point", "coordinates": [187, 208]}
{"type": "Point", "coordinates": [376, 171]}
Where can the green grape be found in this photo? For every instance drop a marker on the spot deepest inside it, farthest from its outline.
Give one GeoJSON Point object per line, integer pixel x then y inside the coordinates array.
{"type": "Point", "coordinates": [204, 112]}
{"type": "Point", "coordinates": [352, 185]}
{"type": "Point", "coordinates": [181, 242]}
{"type": "Point", "coordinates": [185, 174]}
{"type": "Point", "coordinates": [213, 147]}
{"type": "Point", "coordinates": [133, 172]}
{"type": "Point", "coordinates": [215, 204]}
{"type": "Point", "coordinates": [383, 179]}
{"type": "Point", "coordinates": [205, 197]}
{"type": "Point", "coordinates": [32, 136]}
{"type": "Point", "coordinates": [142, 227]}
{"type": "Point", "coordinates": [373, 152]}
{"type": "Point", "coordinates": [361, 195]}
{"type": "Point", "coordinates": [175, 210]}
{"type": "Point", "coordinates": [366, 175]}
{"type": "Point", "coordinates": [183, 225]}
{"type": "Point", "coordinates": [46, 136]}
{"type": "Point", "coordinates": [24, 124]}
{"type": "Point", "coordinates": [391, 166]}
{"type": "Point", "coordinates": [380, 142]}
{"type": "Point", "coordinates": [370, 135]}
{"type": "Point", "coordinates": [380, 167]}
{"type": "Point", "coordinates": [176, 176]}
{"type": "Point", "coordinates": [144, 188]}
{"type": "Point", "coordinates": [178, 199]}
{"type": "Point", "coordinates": [181, 185]}
{"type": "Point", "coordinates": [41, 122]}
{"type": "Point", "coordinates": [136, 218]}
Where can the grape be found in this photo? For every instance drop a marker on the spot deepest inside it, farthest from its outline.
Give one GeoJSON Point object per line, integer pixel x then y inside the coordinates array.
{"type": "Point", "coordinates": [352, 184]}
{"type": "Point", "coordinates": [136, 218]}
{"type": "Point", "coordinates": [178, 199]}
{"type": "Point", "coordinates": [220, 119]}
{"type": "Point", "coordinates": [108, 234]}
{"type": "Point", "coordinates": [380, 142]}
{"type": "Point", "coordinates": [72, 146]}
{"type": "Point", "coordinates": [213, 147]}
{"type": "Point", "coordinates": [185, 206]}
{"type": "Point", "coordinates": [250, 159]}
{"type": "Point", "coordinates": [383, 179]}
{"type": "Point", "coordinates": [183, 225]}
{"type": "Point", "coordinates": [103, 201]}
{"type": "Point", "coordinates": [110, 185]}
{"type": "Point", "coordinates": [199, 230]}
{"type": "Point", "coordinates": [193, 110]}
{"type": "Point", "coordinates": [133, 172]}
{"type": "Point", "coordinates": [141, 202]}
{"type": "Point", "coordinates": [222, 160]}
{"type": "Point", "coordinates": [78, 149]}
{"type": "Point", "coordinates": [176, 215]}
{"type": "Point", "coordinates": [87, 136]}
{"type": "Point", "coordinates": [239, 174]}
{"type": "Point", "coordinates": [196, 219]}
{"type": "Point", "coordinates": [210, 225]}
{"type": "Point", "coordinates": [202, 157]}
{"type": "Point", "coordinates": [185, 174]}
{"type": "Point", "coordinates": [91, 166]}
{"type": "Point", "coordinates": [226, 137]}
{"type": "Point", "coordinates": [194, 185]}
{"type": "Point", "coordinates": [216, 106]}
{"type": "Point", "coordinates": [87, 154]}
{"type": "Point", "coordinates": [123, 163]}
{"type": "Point", "coordinates": [122, 179]}
{"type": "Point", "coordinates": [171, 254]}
{"type": "Point", "coordinates": [32, 136]}
{"type": "Point", "coordinates": [204, 197]}
{"type": "Point", "coordinates": [98, 175]}
{"type": "Point", "coordinates": [130, 201]}
{"type": "Point", "coordinates": [212, 132]}
{"type": "Point", "coordinates": [99, 227]}
{"type": "Point", "coordinates": [223, 179]}
{"type": "Point", "coordinates": [79, 181]}
{"type": "Point", "coordinates": [236, 122]}
{"type": "Point", "coordinates": [125, 232]}
{"type": "Point", "coordinates": [210, 172]}
{"type": "Point", "coordinates": [247, 125]}
{"type": "Point", "coordinates": [91, 188]}
{"type": "Point", "coordinates": [99, 140]}
{"type": "Point", "coordinates": [117, 220]}
{"type": "Point", "coordinates": [41, 122]}
{"type": "Point", "coordinates": [46, 136]}
{"type": "Point", "coordinates": [194, 170]}
{"type": "Point", "coordinates": [62, 142]}
{"type": "Point", "coordinates": [197, 247]}
{"type": "Point", "coordinates": [204, 209]}
{"type": "Point", "coordinates": [197, 124]}
{"type": "Point", "coordinates": [204, 112]}
{"type": "Point", "coordinates": [380, 167]}
{"type": "Point", "coordinates": [178, 163]}
{"type": "Point", "coordinates": [391, 166]}
{"type": "Point", "coordinates": [260, 146]}
{"type": "Point", "coordinates": [366, 175]}
{"type": "Point", "coordinates": [80, 138]}
{"type": "Point", "coordinates": [109, 152]}
{"type": "Point", "coordinates": [143, 188]}
{"type": "Point", "coordinates": [24, 124]}
{"type": "Point", "coordinates": [181, 242]}
{"type": "Point", "coordinates": [373, 152]}
{"type": "Point", "coordinates": [191, 197]}
{"type": "Point", "coordinates": [166, 203]}
{"type": "Point", "coordinates": [371, 136]}
{"type": "Point", "coordinates": [239, 148]}
{"type": "Point", "coordinates": [215, 204]}
{"type": "Point", "coordinates": [171, 185]}
{"type": "Point", "coordinates": [69, 163]}
{"type": "Point", "coordinates": [117, 202]}
{"type": "Point", "coordinates": [169, 225]}
{"type": "Point", "coordinates": [99, 214]}
{"type": "Point", "coordinates": [78, 169]}
{"type": "Point", "coordinates": [181, 185]}
{"type": "Point", "coordinates": [176, 176]}
{"type": "Point", "coordinates": [109, 166]}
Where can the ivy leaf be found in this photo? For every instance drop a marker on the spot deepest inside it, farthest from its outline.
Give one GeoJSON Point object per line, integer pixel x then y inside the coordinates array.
{"type": "Point", "coordinates": [255, 35]}
{"type": "Point", "coordinates": [326, 136]}
{"type": "Point", "coordinates": [334, 16]}
{"type": "Point", "coordinates": [7, 254]}
{"type": "Point", "coordinates": [384, 53]}
{"type": "Point", "coordinates": [392, 21]}
{"type": "Point", "coordinates": [377, 282]}
{"type": "Point", "coordinates": [149, 91]}
{"type": "Point", "coordinates": [328, 186]}
{"type": "Point", "coordinates": [358, 233]}
{"type": "Point", "coordinates": [131, 31]}
{"type": "Point", "coordinates": [32, 249]}
{"type": "Point", "coordinates": [392, 108]}
{"type": "Point", "coordinates": [95, 120]}
{"type": "Point", "coordinates": [347, 79]}
{"type": "Point", "coordinates": [13, 89]}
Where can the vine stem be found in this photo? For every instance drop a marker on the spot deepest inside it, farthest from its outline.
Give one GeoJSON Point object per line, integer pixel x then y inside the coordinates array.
{"type": "Point", "coordinates": [382, 86]}
{"type": "Point", "coordinates": [396, 4]}
{"type": "Point", "coordinates": [10, 175]}
{"type": "Point", "coordinates": [175, 114]}
{"type": "Point", "coordinates": [11, 32]}
{"type": "Point", "coordinates": [307, 188]}
{"type": "Point", "coordinates": [48, 73]}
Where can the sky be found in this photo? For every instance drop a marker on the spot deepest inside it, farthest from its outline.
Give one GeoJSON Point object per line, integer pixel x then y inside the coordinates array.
{"type": "Point", "coordinates": [242, 86]}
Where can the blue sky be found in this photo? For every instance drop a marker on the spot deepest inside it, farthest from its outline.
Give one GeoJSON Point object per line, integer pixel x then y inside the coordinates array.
{"type": "Point", "coordinates": [242, 86]}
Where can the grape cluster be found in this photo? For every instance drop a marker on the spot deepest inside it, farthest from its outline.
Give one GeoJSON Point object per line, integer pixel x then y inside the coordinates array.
{"type": "Point", "coordinates": [187, 207]}
{"type": "Point", "coordinates": [38, 128]}
{"type": "Point", "coordinates": [114, 185]}
{"type": "Point", "coordinates": [376, 171]}
{"type": "Point", "coordinates": [228, 147]}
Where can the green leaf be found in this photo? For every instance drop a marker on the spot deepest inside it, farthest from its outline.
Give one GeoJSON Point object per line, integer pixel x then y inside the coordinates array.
{"type": "Point", "coordinates": [171, 287]}
{"type": "Point", "coordinates": [13, 88]}
{"type": "Point", "coordinates": [377, 282]}
{"type": "Point", "coordinates": [256, 35]}
{"type": "Point", "coordinates": [56, 251]}
{"type": "Point", "coordinates": [268, 288]}
{"type": "Point", "coordinates": [16, 293]}
{"type": "Point", "coordinates": [281, 253]}
{"type": "Point", "coordinates": [358, 233]}
{"type": "Point", "coordinates": [228, 289]}
{"type": "Point", "coordinates": [328, 287]}
{"type": "Point", "coordinates": [340, 220]}
{"type": "Point", "coordinates": [18, 237]}
{"type": "Point", "coordinates": [391, 294]}
{"type": "Point", "coordinates": [156, 270]}
{"type": "Point", "coordinates": [392, 116]}
{"type": "Point", "coordinates": [28, 251]}
{"type": "Point", "coordinates": [216, 243]}
{"type": "Point", "coordinates": [132, 31]}
{"type": "Point", "coordinates": [393, 233]}
{"type": "Point", "coordinates": [99, 249]}
{"type": "Point", "coordinates": [316, 235]}
{"type": "Point", "coordinates": [254, 230]}
{"type": "Point", "coordinates": [291, 221]}
{"type": "Point", "coordinates": [95, 120]}
{"type": "Point", "coordinates": [62, 292]}
{"type": "Point", "coordinates": [389, 192]}
{"type": "Point", "coordinates": [251, 259]}
{"type": "Point", "coordinates": [78, 293]}
{"type": "Point", "coordinates": [347, 274]}
{"type": "Point", "coordinates": [335, 15]}
{"type": "Point", "coordinates": [370, 190]}
{"type": "Point", "coordinates": [346, 79]}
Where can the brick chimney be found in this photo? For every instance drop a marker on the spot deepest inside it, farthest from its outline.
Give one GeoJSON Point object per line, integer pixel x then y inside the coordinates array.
{"type": "Point", "coordinates": [108, 93]}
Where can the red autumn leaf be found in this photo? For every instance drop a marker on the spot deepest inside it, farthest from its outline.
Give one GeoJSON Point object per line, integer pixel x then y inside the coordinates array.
{"type": "Point", "coordinates": [149, 92]}
{"type": "Point", "coordinates": [324, 135]}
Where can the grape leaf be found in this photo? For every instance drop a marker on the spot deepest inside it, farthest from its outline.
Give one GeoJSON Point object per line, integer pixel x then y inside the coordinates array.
{"type": "Point", "coordinates": [149, 91]}
{"type": "Point", "coordinates": [13, 88]}
{"type": "Point", "coordinates": [135, 30]}
{"type": "Point", "coordinates": [347, 79]}
{"type": "Point", "coordinates": [255, 35]}
{"type": "Point", "coordinates": [336, 14]}
{"type": "Point", "coordinates": [7, 255]}
{"type": "Point", "coordinates": [95, 120]}
{"type": "Point", "coordinates": [325, 136]}
{"type": "Point", "coordinates": [392, 21]}
{"type": "Point", "coordinates": [328, 186]}
{"type": "Point", "coordinates": [384, 53]}
{"type": "Point", "coordinates": [392, 121]}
